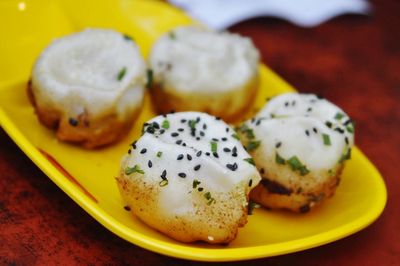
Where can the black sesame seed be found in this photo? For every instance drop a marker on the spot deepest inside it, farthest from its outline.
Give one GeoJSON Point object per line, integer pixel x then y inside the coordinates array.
{"type": "Point", "coordinates": [232, 167]}
{"type": "Point", "coordinates": [150, 129]}
{"type": "Point", "coordinates": [224, 139]}
{"type": "Point", "coordinates": [189, 157]}
{"type": "Point", "coordinates": [234, 150]}
{"type": "Point", "coordinates": [217, 118]}
{"type": "Point", "coordinates": [204, 126]}
{"type": "Point", "coordinates": [277, 145]}
{"type": "Point", "coordinates": [183, 120]}
{"type": "Point", "coordinates": [73, 122]}
{"type": "Point", "coordinates": [202, 133]}
{"type": "Point", "coordinates": [198, 154]}
{"type": "Point", "coordinates": [164, 174]}
{"type": "Point", "coordinates": [150, 164]}
{"type": "Point", "coordinates": [250, 182]}
{"type": "Point", "coordinates": [262, 171]}
{"type": "Point", "coordinates": [309, 109]}
{"type": "Point", "coordinates": [197, 167]}
{"type": "Point", "coordinates": [127, 208]}
{"type": "Point", "coordinates": [180, 157]}
{"type": "Point", "coordinates": [180, 129]}
{"type": "Point", "coordinates": [198, 119]}
{"type": "Point", "coordinates": [293, 103]}
{"type": "Point", "coordinates": [134, 145]}
{"type": "Point", "coordinates": [215, 139]}
{"type": "Point", "coordinates": [234, 154]}
{"type": "Point", "coordinates": [162, 131]}
{"type": "Point", "coordinates": [346, 140]}
{"type": "Point", "coordinates": [227, 150]}
{"type": "Point", "coordinates": [208, 154]}
{"type": "Point", "coordinates": [156, 125]}
{"type": "Point", "coordinates": [174, 134]}
{"type": "Point", "coordinates": [348, 121]}
{"type": "Point", "coordinates": [184, 144]}
{"type": "Point", "coordinates": [164, 115]}
{"type": "Point", "coordinates": [215, 155]}
{"type": "Point", "coordinates": [341, 131]}
{"type": "Point", "coordinates": [179, 142]}
{"type": "Point", "coordinates": [258, 122]}
{"type": "Point", "coordinates": [307, 133]}
{"type": "Point", "coordinates": [183, 175]}
{"type": "Point", "coordinates": [227, 129]}
{"type": "Point", "coordinates": [200, 189]}
{"type": "Point", "coordinates": [328, 124]}
{"type": "Point", "coordinates": [143, 151]}
{"type": "Point", "coordinates": [197, 138]}
{"type": "Point", "coordinates": [315, 130]}
{"type": "Point", "coordinates": [286, 104]}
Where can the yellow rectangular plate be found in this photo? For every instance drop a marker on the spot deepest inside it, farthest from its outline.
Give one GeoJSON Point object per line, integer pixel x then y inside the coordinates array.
{"type": "Point", "coordinates": [88, 176]}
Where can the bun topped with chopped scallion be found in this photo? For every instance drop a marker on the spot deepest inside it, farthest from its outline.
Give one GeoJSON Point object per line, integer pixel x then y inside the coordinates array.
{"type": "Point", "coordinates": [189, 177]}
{"type": "Point", "coordinates": [299, 143]}
{"type": "Point", "coordinates": [89, 86]}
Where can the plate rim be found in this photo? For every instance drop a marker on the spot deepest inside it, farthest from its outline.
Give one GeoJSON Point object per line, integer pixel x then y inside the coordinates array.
{"type": "Point", "coordinates": [179, 250]}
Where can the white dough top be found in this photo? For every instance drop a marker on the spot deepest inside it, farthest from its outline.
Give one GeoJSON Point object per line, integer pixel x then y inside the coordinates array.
{"type": "Point", "coordinates": [191, 59]}
{"type": "Point", "coordinates": [314, 130]}
{"type": "Point", "coordinates": [95, 69]}
{"type": "Point", "coordinates": [187, 148]}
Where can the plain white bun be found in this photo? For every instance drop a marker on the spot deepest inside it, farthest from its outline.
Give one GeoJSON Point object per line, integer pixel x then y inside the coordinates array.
{"type": "Point", "coordinates": [196, 69]}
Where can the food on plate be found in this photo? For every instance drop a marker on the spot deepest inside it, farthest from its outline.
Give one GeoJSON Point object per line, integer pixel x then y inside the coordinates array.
{"type": "Point", "coordinates": [196, 69]}
{"type": "Point", "coordinates": [299, 143]}
{"type": "Point", "coordinates": [189, 177]}
{"type": "Point", "coordinates": [89, 86]}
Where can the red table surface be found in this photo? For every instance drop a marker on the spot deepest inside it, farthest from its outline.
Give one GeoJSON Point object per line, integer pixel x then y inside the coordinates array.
{"type": "Point", "coordinates": [352, 60]}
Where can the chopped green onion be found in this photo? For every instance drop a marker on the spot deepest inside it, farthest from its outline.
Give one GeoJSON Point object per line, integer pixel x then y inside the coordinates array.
{"type": "Point", "coordinates": [252, 205]}
{"type": "Point", "coordinates": [236, 136]}
{"type": "Point", "coordinates": [171, 35]}
{"type": "Point", "coordinates": [192, 124]}
{"type": "Point", "coordinates": [196, 183]}
{"type": "Point", "coordinates": [249, 160]}
{"type": "Point", "coordinates": [327, 139]}
{"type": "Point", "coordinates": [345, 156]}
{"type": "Point", "coordinates": [214, 146]}
{"type": "Point", "coordinates": [279, 159]}
{"type": "Point", "coordinates": [159, 154]}
{"type": "Point", "coordinates": [296, 165]}
{"type": "Point", "coordinates": [121, 74]}
{"type": "Point", "coordinates": [246, 130]}
{"type": "Point", "coordinates": [252, 145]}
{"type": "Point", "coordinates": [339, 116]}
{"type": "Point", "coordinates": [163, 182]}
{"type": "Point", "coordinates": [149, 74]}
{"type": "Point", "coordinates": [135, 169]}
{"type": "Point", "coordinates": [350, 128]}
{"type": "Point", "coordinates": [165, 124]}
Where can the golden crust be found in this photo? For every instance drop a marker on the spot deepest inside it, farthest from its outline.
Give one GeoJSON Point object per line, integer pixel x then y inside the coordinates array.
{"type": "Point", "coordinates": [87, 132]}
{"type": "Point", "coordinates": [216, 224]}
{"type": "Point", "coordinates": [167, 100]}
{"type": "Point", "coordinates": [274, 195]}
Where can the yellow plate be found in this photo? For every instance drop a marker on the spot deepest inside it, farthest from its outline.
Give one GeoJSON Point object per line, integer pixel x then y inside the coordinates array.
{"type": "Point", "coordinates": [88, 176]}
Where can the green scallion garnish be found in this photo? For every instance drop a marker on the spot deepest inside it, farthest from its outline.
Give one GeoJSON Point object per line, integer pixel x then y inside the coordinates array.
{"type": "Point", "coordinates": [250, 161]}
{"type": "Point", "coordinates": [196, 183]}
{"type": "Point", "coordinates": [327, 139]}
{"type": "Point", "coordinates": [163, 182]}
{"type": "Point", "coordinates": [339, 116]}
{"type": "Point", "coordinates": [121, 74]}
{"type": "Point", "coordinates": [159, 154]}
{"type": "Point", "coordinates": [214, 146]}
{"type": "Point", "coordinates": [135, 169]}
{"type": "Point", "coordinates": [149, 74]}
{"type": "Point", "coordinates": [252, 145]}
{"type": "Point", "coordinates": [165, 124]}
{"type": "Point", "coordinates": [279, 159]}
{"type": "Point", "coordinates": [296, 165]}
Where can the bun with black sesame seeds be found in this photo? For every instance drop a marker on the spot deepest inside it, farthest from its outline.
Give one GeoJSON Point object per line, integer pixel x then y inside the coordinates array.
{"type": "Point", "coordinates": [299, 143]}
{"type": "Point", "coordinates": [180, 179]}
{"type": "Point", "coordinates": [89, 86]}
{"type": "Point", "coordinates": [196, 69]}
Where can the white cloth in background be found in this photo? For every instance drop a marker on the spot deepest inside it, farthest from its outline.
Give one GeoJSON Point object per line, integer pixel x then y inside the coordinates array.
{"type": "Point", "coordinates": [220, 14]}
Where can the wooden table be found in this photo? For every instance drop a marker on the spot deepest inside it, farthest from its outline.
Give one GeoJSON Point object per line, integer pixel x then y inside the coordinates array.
{"type": "Point", "coordinates": [354, 61]}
